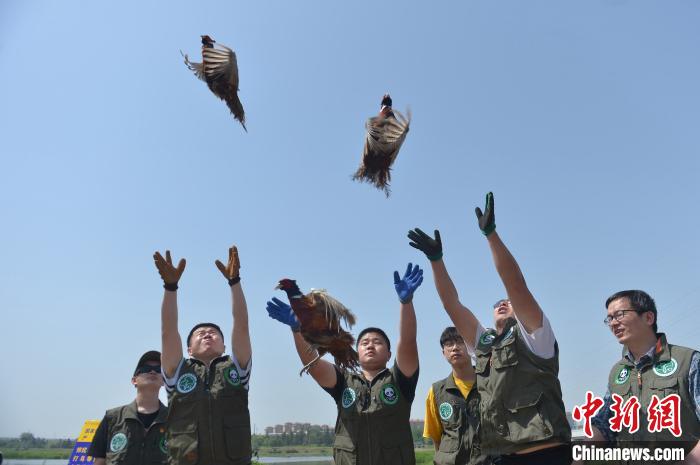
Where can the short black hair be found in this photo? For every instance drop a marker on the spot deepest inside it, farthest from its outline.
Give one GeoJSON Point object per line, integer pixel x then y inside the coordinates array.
{"type": "Point", "coordinates": [639, 300]}
{"type": "Point", "coordinates": [201, 325]}
{"type": "Point", "coordinates": [372, 329]}
{"type": "Point", "coordinates": [450, 334]}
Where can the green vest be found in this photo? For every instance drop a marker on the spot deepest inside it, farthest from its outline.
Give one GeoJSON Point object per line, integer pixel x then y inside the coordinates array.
{"type": "Point", "coordinates": [208, 422]}
{"type": "Point", "coordinates": [129, 443]}
{"type": "Point", "coordinates": [666, 374]}
{"type": "Point", "coordinates": [521, 402]}
{"type": "Point", "coordinates": [459, 418]}
{"type": "Point", "coordinates": [373, 422]}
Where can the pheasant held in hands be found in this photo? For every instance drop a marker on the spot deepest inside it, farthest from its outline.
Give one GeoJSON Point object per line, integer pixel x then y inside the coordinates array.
{"type": "Point", "coordinates": [385, 135]}
{"type": "Point", "coordinates": [319, 317]}
{"type": "Point", "coordinates": [219, 70]}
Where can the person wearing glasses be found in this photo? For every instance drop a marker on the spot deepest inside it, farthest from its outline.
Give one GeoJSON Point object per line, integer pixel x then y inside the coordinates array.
{"type": "Point", "coordinates": [649, 366]}
{"type": "Point", "coordinates": [522, 416]}
{"type": "Point", "coordinates": [452, 407]}
{"type": "Point", "coordinates": [133, 433]}
{"type": "Point", "coordinates": [209, 420]}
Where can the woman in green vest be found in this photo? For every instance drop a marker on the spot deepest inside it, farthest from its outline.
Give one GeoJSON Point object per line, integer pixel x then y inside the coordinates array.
{"type": "Point", "coordinates": [522, 416]}
{"type": "Point", "coordinates": [374, 405]}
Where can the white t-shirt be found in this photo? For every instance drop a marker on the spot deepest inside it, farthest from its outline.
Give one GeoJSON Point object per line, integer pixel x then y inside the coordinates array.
{"type": "Point", "coordinates": [540, 341]}
{"type": "Point", "coordinates": [243, 373]}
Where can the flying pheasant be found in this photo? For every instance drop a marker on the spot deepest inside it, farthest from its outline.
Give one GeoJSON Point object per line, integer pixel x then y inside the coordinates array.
{"type": "Point", "coordinates": [219, 70]}
{"type": "Point", "coordinates": [385, 134]}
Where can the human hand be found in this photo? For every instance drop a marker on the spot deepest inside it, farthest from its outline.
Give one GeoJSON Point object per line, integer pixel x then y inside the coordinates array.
{"type": "Point", "coordinates": [282, 312]}
{"type": "Point", "coordinates": [170, 274]}
{"type": "Point", "coordinates": [432, 248]}
{"type": "Point", "coordinates": [406, 286]}
{"type": "Point", "coordinates": [487, 219]}
{"type": "Point", "coordinates": [231, 270]}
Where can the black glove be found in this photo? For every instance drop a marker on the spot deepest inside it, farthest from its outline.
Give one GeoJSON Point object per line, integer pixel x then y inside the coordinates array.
{"type": "Point", "coordinates": [432, 248]}
{"type": "Point", "coordinates": [487, 219]}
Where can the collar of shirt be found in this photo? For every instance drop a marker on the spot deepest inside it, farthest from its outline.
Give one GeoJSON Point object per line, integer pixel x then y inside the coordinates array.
{"type": "Point", "coordinates": [644, 360]}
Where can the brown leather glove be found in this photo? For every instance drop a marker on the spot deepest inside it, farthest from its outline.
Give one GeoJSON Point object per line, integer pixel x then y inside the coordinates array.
{"type": "Point", "coordinates": [167, 271]}
{"type": "Point", "coordinates": [231, 271]}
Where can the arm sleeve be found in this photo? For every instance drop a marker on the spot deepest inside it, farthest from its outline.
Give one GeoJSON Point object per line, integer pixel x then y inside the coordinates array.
{"type": "Point", "coordinates": [172, 381]}
{"type": "Point", "coordinates": [243, 373]}
{"type": "Point", "coordinates": [407, 385]}
{"type": "Point", "coordinates": [540, 341]}
{"type": "Point", "coordinates": [694, 382]}
{"type": "Point", "coordinates": [602, 419]}
{"type": "Point", "coordinates": [98, 447]}
{"type": "Point", "coordinates": [432, 428]}
{"type": "Point", "coordinates": [479, 331]}
{"type": "Point", "coordinates": [336, 392]}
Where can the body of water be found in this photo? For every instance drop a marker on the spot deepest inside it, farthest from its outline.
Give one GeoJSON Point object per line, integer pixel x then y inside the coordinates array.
{"type": "Point", "coordinates": [265, 460]}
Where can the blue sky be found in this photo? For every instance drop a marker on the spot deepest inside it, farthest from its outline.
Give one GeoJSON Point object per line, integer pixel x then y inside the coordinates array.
{"type": "Point", "coordinates": [581, 117]}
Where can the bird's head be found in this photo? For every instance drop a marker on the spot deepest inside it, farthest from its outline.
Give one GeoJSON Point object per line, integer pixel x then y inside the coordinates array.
{"type": "Point", "coordinates": [286, 284]}
{"type": "Point", "coordinates": [289, 286]}
{"type": "Point", "coordinates": [386, 100]}
{"type": "Point", "coordinates": [206, 40]}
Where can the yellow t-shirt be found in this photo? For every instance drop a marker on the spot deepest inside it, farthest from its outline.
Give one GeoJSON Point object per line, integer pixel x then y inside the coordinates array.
{"type": "Point", "coordinates": [432, 427]}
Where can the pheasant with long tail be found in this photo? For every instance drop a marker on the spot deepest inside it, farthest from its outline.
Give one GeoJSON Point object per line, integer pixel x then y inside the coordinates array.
{"type": "Point", "coordinates": [385, 135]}
{"type": "Point", "coordinates": [319, 319]}
{"type": "Point", "coordinates": [219, 69]}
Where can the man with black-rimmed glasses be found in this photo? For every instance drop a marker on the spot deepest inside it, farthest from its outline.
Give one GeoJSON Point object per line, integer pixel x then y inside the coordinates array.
{"type": "Point", "coordinates": [649, 366]}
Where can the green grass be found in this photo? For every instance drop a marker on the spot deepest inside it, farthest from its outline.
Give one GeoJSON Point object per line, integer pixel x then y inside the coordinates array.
{"type": "Point", "coordinates": [424, 456]}
{"type": "Point", "coordinates": [294, 451]}
{"type": "Point", "coordinates": [50, 453]}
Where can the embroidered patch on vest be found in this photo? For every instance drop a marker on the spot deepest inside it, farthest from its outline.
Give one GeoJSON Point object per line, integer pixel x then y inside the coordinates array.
{"type": "Point", "coordinates": [186, 383]}
{"type": "Point", "coordinates": [509, 333]}
{"type": "Point", "coordinates": [666, 368]}
{"type": "Point", "coordinates": [163, 445]}
{"type": "Point", "coordinates": [232, 376]}
{"type": "Point", "coordinates": [445, 410]}
{"type": "Point", "coordinates": [348, 398]}
{"type": "Point", "coordinates": [622, 376]}
{"type": "Point", "coordinates": [389, 394]}
{"type": "Point", "coordinates": [487, 338]}
{"type": "Point", "coordinates": [118, 442]}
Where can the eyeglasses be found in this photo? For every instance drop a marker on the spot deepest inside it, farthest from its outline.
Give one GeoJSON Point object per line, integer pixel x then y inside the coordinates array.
{"type": "Point", "coordinates": [452, 343]}
{"type": "Point", "coordinates": [500, 302]}
{"type": "Point", "coordinates": [143, 369]}
{"type": "Point", "coordinates": [617, 316]}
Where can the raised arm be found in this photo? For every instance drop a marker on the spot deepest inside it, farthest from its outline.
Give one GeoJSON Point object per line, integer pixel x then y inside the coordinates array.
{"type": "Point", "coordinates": [171, 352]}
{"type": "Point", "coordinates": [322, 371]}
{"type": "Point", "coordinates": [524, 304]}
{"type": "Point", "coordinates": [463, 319]}
{"type": "Point", "coordinates": [240, 336]}
{"type": "Point", "coordinates": [407, 348]}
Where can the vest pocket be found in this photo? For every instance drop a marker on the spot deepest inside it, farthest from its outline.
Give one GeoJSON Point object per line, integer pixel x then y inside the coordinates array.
{"type": "Point", "coordinates": [505, 356]}
{"type": "Point", "coordinates": [237, 439]}
{"type": "Point", "coordinates": [344, 451]}
{"type": "Point", "coordinates": [524, 421]}
{"type": "Point", "coordinates": [663, 387]}
{"type": "Point", "coordinates": [183, 444]}
{"type": "Point", "coordinates": [482, 361]}
{"type": "Point", "coordinates": [448, 445]}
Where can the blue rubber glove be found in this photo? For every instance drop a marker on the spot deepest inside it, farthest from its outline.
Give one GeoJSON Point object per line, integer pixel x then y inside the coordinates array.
{"type": "Point", "coordinates": [406, 286]}
{"type": "Point", "coordinates": [283, 313]}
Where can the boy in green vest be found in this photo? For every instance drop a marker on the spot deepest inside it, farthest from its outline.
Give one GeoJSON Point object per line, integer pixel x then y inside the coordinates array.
{"type": "Point", "coordinates": [522, 417]}
{"type": "Point", "coordinates": [208, 422]}
{"type": "Point", "coordinates": [133, 434]}
{"type": "Point", "coordinates": [452, 407]}
{"type": "Point", "coordinates": [649, 366]}
{"type": "Point", "coordinates": [374, 405]}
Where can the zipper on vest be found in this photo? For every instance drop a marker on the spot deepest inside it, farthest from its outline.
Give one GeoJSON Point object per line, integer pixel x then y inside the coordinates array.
{"type": "Point", "coordinates": [209, 414]}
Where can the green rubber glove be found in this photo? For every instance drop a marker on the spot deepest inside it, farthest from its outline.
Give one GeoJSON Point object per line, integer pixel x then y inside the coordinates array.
{"type": "Point", "coordinates": [487, 219]}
